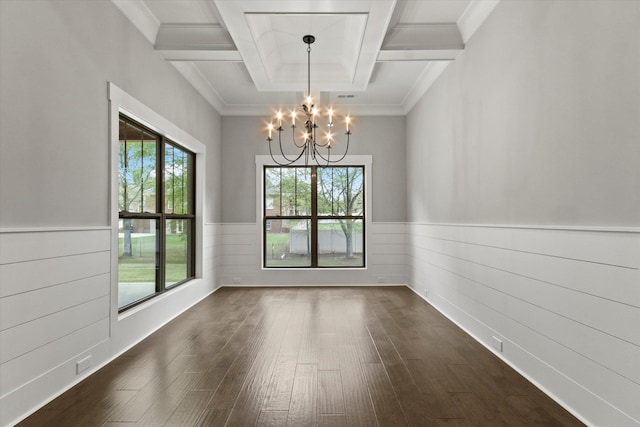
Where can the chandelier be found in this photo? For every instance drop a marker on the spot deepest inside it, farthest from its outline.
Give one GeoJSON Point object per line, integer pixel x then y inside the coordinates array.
{"type": "Point", "coordinates": [309, 145]}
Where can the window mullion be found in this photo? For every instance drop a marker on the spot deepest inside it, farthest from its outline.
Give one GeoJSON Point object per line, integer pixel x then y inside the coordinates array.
{"type": "Point", "coordinates": [314, 216]}
{"type": "Point", "coordinates": [162, 226]}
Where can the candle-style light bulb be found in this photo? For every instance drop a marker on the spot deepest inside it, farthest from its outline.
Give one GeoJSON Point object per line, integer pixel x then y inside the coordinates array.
{"type": "Point", "coordinates": [329, 137]}
{"type": "Point", "coordinates": [270, 129]}
{"type": "Point", "coordinates": [293, 118]}
{"type": "Point", "coordinates": [279, 115]}
{"type": "Point", "coordinates": [330, 116]}
{"type": "Point", "coordinates": [348, 119]}
{"type": "Point", "coordinates": [309, 101]}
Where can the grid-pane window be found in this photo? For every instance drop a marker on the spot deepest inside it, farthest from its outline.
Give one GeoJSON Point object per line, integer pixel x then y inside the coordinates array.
{"type": "Point", "coordinates": [156, 214]}
{"type": "Point", "coordinates": [314, 216]}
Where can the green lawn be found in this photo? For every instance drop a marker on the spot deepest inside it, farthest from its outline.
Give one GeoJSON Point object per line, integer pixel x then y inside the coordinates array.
{"type": "Point", "coordinates": [140, 267]}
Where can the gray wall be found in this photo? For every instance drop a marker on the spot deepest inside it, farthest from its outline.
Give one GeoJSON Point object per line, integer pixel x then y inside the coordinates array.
{"type": "Point", "coordinates": [55, 60]}
{"type": "Point", "coordinates": [537, 122]}
{"type": "Point", "coordinates": [382, 137]}
{"type": "Point", "coordinates": [524, 198]}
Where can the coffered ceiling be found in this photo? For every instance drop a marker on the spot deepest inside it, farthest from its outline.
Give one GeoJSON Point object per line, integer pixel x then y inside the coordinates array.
{"type": "Point", "coordinates": [370, 56]}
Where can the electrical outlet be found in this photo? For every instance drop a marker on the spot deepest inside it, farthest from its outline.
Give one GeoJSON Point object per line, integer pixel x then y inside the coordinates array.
{"type": "Point", "coordinates": [497, 343]}
{"type": "Point", "coordinates": [83, 365]}
{"type": "Point", "coordinates": [236, 280]}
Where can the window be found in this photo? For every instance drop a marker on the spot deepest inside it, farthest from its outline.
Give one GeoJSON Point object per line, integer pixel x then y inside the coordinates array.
{"type": "Point", "coordinates": [314, 216]}
{"type": "Point", "coordinates": [156, 219]}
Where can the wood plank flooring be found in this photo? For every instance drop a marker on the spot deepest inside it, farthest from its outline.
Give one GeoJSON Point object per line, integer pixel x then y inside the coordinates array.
{"type": "Point", "coordinates": [355, 356]}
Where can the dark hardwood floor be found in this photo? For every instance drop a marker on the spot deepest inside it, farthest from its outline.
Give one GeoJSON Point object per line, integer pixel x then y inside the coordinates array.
{"type": "Point", "coordinates": [306, 356]}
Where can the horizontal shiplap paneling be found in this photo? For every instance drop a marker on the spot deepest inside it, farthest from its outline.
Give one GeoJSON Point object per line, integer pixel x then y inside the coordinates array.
{"type": "Point", "coordinates": [35, 274]}
{"type": "Point", "coordinates": [26, 306]}
{"type": "Point", "coordinates": [241, 259]}
{"type": "Point", "coordinates": [28, 336]}
{"type": "Point", "coordinates": [32, 245]}
{"type": "Point", "coordinates": [590, 245]}
{"type": "Point", "coordinates": [565, 303]}
{"type": "Point", "coordinates": [597, 278]}
{"type": "Point", "coordinates": [20, 371]}
{"type": "Point", "coordinates": [54, 300]}
{"type": "Point", "coordinates": [585, 308]}
{"type": "Point", "coordinates": [212, 253]}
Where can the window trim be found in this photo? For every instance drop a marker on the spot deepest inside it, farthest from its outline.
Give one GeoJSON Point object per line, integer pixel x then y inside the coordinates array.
{"type": "Point", "coordinates": [121, 102]}
{"type": "Point", "coordinates": [349, 160]}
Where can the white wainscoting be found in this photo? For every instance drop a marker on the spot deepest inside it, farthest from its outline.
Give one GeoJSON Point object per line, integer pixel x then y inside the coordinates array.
{"type": "Point", "coordinates": [565, 303]}
{"type": "Point", "coordinates": [54, 310]}
{"type": "Point", "coordinates": [213, 252]}
{"type": "Point", "coordinates": [241, 260]}
{"type": "Point", "coordinates": [58, 306]}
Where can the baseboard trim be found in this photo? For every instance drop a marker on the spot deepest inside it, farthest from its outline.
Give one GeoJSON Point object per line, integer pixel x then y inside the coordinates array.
{"type": "Point", "coordinates": [364, 285]}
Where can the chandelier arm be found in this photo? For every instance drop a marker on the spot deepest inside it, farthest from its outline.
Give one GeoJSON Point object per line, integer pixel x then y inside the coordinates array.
{"type": "Point", "coordinates": [282, 151]}
{"type": "Point", "coordinates": [293, 136]}
{"type": "Point", "coordinates": [274, 159]}
{"type": "Point", "coordinates": [320, 156]}
{"type": "Point", "coordinates": [327, 159]}
{"type": "Point", "coordinates": [288, 161]}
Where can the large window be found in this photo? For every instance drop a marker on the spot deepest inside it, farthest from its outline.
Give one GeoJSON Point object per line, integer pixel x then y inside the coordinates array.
{"type": "Point", "coordinates": [314, 216]}
{"type": "Point", "coordinates": [156, 220]}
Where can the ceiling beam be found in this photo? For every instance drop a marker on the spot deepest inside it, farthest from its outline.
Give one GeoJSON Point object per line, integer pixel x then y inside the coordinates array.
{"type": "Point", "coordinates": [422, 42]}
{"type": "Point", "coordinates": [195, 42]}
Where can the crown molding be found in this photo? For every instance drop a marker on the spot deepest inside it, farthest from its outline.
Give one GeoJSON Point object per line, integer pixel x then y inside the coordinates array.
{"type": "Point", "coordinates": [190, 72]}
{"type": "Point", "coordinates": [356, 109]}
{"type": "Point", "coordinates": [473, 17]}
{"type": "Point", "coordinates": [140, 16]}
{"type": "Point", "coordinates": [424, 82]}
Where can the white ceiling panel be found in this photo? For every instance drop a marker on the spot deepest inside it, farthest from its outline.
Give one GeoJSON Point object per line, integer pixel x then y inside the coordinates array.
{"type": "Point", "coordinates": [284, 55]}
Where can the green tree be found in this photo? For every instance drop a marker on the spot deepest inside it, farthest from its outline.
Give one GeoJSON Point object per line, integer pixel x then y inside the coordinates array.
{"type": "Point", "coordinates": [178, 180]}
{"type": "Point", "coordinates": [289, 190]}
{"type": "Point", "coordinates": [340, 193]}
{"type": "Point", "coordinates": [136, 176]}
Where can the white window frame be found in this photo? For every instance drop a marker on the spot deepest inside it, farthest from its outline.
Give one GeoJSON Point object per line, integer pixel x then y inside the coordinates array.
{"type": "Point", "coordinates": [121, 102]}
